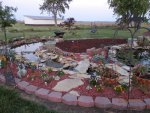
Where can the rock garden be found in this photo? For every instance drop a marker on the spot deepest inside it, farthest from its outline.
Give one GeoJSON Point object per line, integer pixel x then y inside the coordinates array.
{"type": "Point", "coordinates": [91, 72]}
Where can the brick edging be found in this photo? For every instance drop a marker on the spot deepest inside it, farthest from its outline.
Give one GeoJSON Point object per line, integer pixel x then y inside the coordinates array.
{"type": "Point", "coordinates": [84, 101]}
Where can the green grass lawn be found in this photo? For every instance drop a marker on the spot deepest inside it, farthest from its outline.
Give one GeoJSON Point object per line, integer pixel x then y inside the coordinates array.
{"type": "Point", "coordinates": [21, 30]}
{"type": "Point", "coordinates": [11, 102]}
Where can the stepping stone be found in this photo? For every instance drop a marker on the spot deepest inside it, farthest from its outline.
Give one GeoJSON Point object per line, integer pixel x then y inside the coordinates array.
{"type": "Point", "coordinates": [147, 101]}
{"type": "Point", "coordinates": [137, 104]}
{"type": "Point", "coordinates": [42, 93]}
{"type": "Point", "coordinates": [69, 99]}
{"type": "Point", "coordinates": [102, 102]}
{"type": "Point", "coordinates": [17, 80]}
{"type": "Point", "coordinates": [22, 85]}
{"type": "Point", "coordinates": [2, 79]}
{"type": "Point", "coordinates": [85, 101]}
{"type": "Point", "coordinates": [31, 89]}
{"type": "Point", "coordinates": [119, 103]}
{"type": "Point", "coordinates": [55, 96]}
{"type": "Point", "coordinates": [67, 84]}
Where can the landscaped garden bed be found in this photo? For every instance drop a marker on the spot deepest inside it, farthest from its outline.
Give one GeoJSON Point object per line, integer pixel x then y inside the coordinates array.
{"type": "Point", "coordinates": [76, 76]}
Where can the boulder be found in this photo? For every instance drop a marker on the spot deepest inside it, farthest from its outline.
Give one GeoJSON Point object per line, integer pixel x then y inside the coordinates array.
{"type": "Point", "coordinates": [83, 66]}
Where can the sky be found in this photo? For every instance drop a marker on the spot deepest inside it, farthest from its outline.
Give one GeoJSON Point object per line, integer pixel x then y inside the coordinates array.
{"type": "Point", "coordinates": [81, 10]}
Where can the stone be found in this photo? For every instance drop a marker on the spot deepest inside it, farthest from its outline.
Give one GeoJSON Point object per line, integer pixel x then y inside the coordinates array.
{"type": "Point", "coordinates": [118, 69]}
{"type": "Point", "coordinates": [17, 80]}
{"type": "Point", "coordinates": [136, 104]}
{"type": "Point", "coordinates": [21, 71]}
{"type": "Point", "coordinates": [42, 93]}
{"type": "Point", "coordinates": [93, 65]}
{"type": "Point", "coordinates": [84, 56]}
{"type": "Point", "coordinates": [116, 47]}
{"type": "Point", "coordinates": [22, 85]}
{"type": "Point", "coordinates": [119, 103]}
{"type": "Point", "coordinates": [74, 93]}
{"type": "Point", "coordinates": [69, 99]}
{"type": "Point", "coordinates": [83, 66]}
{"type": "Point", "coordinates": [67, 84]}
{"type": "Point", "coordinates": [127, 68]}
{"type": "Point", "coordinates": [80, 76]}
{"type": "Point", "coordinates": [90, 51]}
{"type": "Point", "coordinates": [69, 72]}
{"type": "Point", "coordinates": [88, 87]}
{"type": "Point", "coordinates": [2, 78]}
{"type": "Point", "coordinates": [102, 102]}
{"type": "Point", "coordinates": [57, 78]}
{"type": "Point", "coordinates": [42, 61]}
{"type": "Point", "coordinates": [31, 89]}
{"type": "Point", "coordinates": [147, 101]}
{"type": "Point", "coordinates": [123, 80]}
{"type": "Point", "coordinates": [85, 101]}
{"type": "Point", "coordinates": [66, 66]}
{"type": "Point", "coordinates": [55, 96]}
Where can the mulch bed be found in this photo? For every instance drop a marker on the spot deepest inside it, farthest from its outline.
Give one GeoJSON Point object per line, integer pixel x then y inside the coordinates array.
{"type": "Point", "coordinates": [79, 46]}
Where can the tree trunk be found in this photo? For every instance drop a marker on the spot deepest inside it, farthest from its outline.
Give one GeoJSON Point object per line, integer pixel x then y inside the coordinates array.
{"type": "Point", "coordinates": [4, 29]}
{"type": "Point", "coordinates": [55, 19]}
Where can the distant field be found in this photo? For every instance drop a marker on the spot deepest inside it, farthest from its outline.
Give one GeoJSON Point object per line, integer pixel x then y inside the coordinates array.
{"type": "Point", "coordinates": [97, 23]}
{"type": "Point", "coordinates": [83, 31]}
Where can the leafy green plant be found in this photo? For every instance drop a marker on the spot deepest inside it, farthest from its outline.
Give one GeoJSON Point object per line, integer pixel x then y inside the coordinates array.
{"type": "Point", "coordinates": [43, 75]}
{"type": "Point", "coordinates": [120, 88]}
{"type": "Point", "coordinates": [99, 88]}
{"type": "Point", "coordinates": [50, 70]}
{"type": "Point", "coordinates": [47, 79]}
{"type": "Point", "coordinates": [127, 56]}
{"type": "Point", "coordinates": [93, 82]}
{"type": "Point", "coordinates": [60, 73]}
{"type": "Point", "coordinates": [141, 70]}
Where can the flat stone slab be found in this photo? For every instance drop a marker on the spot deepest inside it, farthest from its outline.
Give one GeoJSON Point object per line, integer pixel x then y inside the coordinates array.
{"type": "Point", "coordinates": [55, 96]}
{"type": "Point", "coordinates": [2, 79]}
{"type": "Point", "coordinates": [119, 103]}
{"type": "Point", "coordinates": [137, 104]}
{"type": "Point", "coordinates": [67, 84]}
{"type": "Point", "coordinates": [80, 76]}
{"type": "Point", "coordinates": [118, 69]}
{"type": "Point", "coordinates": [22, 85]}
{"type": "Point", "coordinates": [17, 80]}
{"type": "Point", "coordinates": [85, 101]}
{"type": "Point", "coordinates": [69, 99]}
{"type": "Point", "coordinates": [83, 66]}
{"type": "Point", "coordinates": [102, 102]}
{"type": "Point", "coordinates": [147, 101]}
{"type": "Point", "coordinates": [31, 89]}
{"type": "Point", "coordinates": [42, 93]}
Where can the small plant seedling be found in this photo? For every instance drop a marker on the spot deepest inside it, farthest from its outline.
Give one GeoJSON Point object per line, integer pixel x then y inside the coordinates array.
{"type": "Point", "coordinates": [60, 73]}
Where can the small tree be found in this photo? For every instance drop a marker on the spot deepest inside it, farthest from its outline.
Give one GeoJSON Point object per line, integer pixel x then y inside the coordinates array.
{"type": "Point", "coordinates": [130, 15]}
{"type": "Point", "coordinates": [56, 7]}
{"type": "Point", "coordinates": [6, 18]}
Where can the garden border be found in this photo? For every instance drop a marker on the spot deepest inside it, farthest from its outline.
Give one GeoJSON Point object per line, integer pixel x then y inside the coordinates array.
{"type": "Point", "coordinates": [84, 101]}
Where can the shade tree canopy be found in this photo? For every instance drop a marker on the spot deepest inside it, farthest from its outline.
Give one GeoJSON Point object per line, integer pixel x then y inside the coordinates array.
{"type": "Point", "coordinates": [130, 13]}
{"type": "Point", "coordinates": [56, 7]}
{"type": "Point", "coordinates": [7, 18]}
